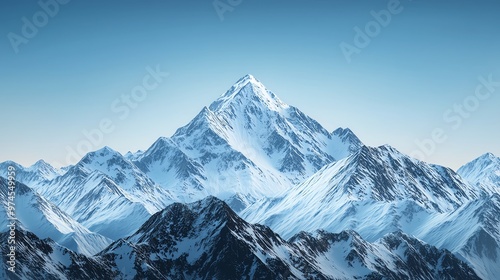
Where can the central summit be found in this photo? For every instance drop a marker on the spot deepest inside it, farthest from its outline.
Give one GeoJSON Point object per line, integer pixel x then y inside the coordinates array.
{"type": "Point", "coordinates": [248, 90]}
{"type": "Point", "coordinates": [246, 145]}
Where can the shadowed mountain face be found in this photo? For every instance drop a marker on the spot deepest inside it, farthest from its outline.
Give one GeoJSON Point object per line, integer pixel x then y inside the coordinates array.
{"type": "Point", "coordinates": [45, 259]}
{"type": "Point", "coordinates": [207, 240]}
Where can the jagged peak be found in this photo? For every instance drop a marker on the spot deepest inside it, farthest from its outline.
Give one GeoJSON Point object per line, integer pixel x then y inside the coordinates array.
{"type": "Point", "coordinates": [480, 163]}
{"type": "Point", "coordinates": [246, 90]}
{"type": "Point", "coordinates": [209, 208]}
{"type": "Point", "coordinates": [381, 150]}
{"type": "Point", "coordinates": [41, 164]}
{"type": "Point", "coordinates": [106, 150]}
{"type": "Point", "coordinates": [162, 141]}
{"type": "Point", "coordinates": [208, 202]}
{"type": "Point", "coordinates": [346, 134]}
{"type": "Point", "coordinates": [200, 205]}
{"type": "Point", "coordinates": [342, 131]}
{"type": "Point", "coordinates": [389, 148]}
{"type": "Point", "coordinates": [13, 163]}
{"type": "Point", "coordinates": [103, 152]}
{"type": "Point", "coordinates": [487, 157]}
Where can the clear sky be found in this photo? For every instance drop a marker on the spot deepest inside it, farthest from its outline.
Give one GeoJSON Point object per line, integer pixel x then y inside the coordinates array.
{"type": "Point", "coordinates": [65, 68]}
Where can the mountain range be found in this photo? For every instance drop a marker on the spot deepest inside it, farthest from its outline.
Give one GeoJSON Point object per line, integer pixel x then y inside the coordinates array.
{"type": "Point", "coordinates": [252, 188]}
{"type": "Point", "coordinates": [208, 240]}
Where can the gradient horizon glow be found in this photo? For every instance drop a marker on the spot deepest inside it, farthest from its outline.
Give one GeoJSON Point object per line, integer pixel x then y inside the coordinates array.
{"type": "Point", "coordinates": [397, 90]}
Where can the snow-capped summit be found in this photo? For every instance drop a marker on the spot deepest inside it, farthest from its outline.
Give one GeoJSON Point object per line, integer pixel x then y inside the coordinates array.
{"type": "Point", "coordinates": [246, 144]}
{"type": "Point", "coordinates": [114, 165]}
{"type": "Point", "coordinates": [483, 173]}
{"type": "Point", "coordinates": [248, 91]}
{"type": "Point", "coordinates": [39, 172]}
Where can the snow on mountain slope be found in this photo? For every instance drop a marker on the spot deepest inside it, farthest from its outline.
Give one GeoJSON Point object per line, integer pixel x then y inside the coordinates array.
{"type": "Point", "coordinates": [247, 144]}
{"type": "Point", "coordinates": [168, 166]}
{"type": "Point", "coordinates": [214, 154]}
{"type": "Point", "coordinates": [272, 133]}
{"type": "Point", "coordinates": [207, 240]}
{"type": "Point", "coordinates": [106, 193]}
{"type": "Point", "coordinates": [375, 191]}
{"type": "Point", "coordinates": [95, 201]}
{"type": "Point", "coordinates": [395, 256]}
{"type": "Point", "coordinates": [45, 259]}
{"type": "Point", "coordinates": [130, 178]}
{"type": "Point", "coordinates": [201, 240]}
{"type": "Point", "coordinates": [472, 231]}
{"type": "Point", "coordinates": [38, 215]}
{"type": "Point", "coordinates": [483, 173]}
{"type": "Point", "coordinates": [40, 171]}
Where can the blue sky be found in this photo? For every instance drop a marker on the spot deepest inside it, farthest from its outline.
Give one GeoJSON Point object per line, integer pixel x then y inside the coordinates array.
{"type": "Point", "coordinates": [397, 89]}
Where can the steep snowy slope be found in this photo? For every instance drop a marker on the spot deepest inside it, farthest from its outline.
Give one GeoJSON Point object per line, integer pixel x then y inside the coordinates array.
{"type": "Point", "coordinates": [207, 240]}
{"type": "Point", "coordinates": [472, 231]}
{"type": "Point", "coordinates": [282, 136]}
{"type": "Point", "coordinates": [36, 214]}
{"type": "Point", "coordinates": [45, 259]}
{"type": "Point", "coordinates": [483, 173]}
{"type": "Point", "coordinates": [379, 191]}
{"type": "Point", "coordinates": [375, 191]}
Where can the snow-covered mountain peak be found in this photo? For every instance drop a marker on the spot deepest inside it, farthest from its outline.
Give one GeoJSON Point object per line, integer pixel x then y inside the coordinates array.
{"type": "Point", "coordinates": [485, 161]}
{"type": "Point", "coordinates": [176, 217]}
{"type": "Point", "coordinates": [104, 151]}
{"type": "Point", "coordinates": [483, 173]}
{"type": "Point", "coordinates": [343, 132]}
{"type": "Point", "coordinates": [36, 173]}
{"type": "Point", "coordinates": [247, 92]}
{"type": "Point", "coordinates": [251, 134]}
{"type": "Point", "coordinates": [11, 163]}
{"type": "Point", "coordinates": [40, 164]}
{"type": "Point", "coordinates": [372, 182]}
{"type": "Point", "coordinates": [100, 157]}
